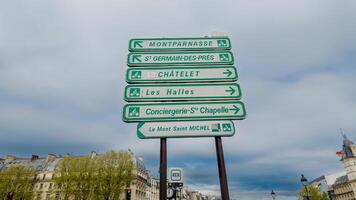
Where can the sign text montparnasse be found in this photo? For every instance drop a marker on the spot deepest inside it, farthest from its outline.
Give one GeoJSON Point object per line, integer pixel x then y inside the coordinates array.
{"type": "Point", "coordinates": [179, 44]}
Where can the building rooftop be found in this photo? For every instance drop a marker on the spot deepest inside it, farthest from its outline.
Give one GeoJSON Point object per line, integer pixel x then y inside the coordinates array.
{"type": "Point", "coordinates": [342, 179]}
{"type": "Point", "coordinates": [321, 178]}
{"type": "Point", "coordinates": [50, 162]}
{"type": "Point", "coordinates": [329, 179]}
{"type": "Point", "coordinates": [1, 163]}
{"type": "Point", "coordinates": [36, 163]}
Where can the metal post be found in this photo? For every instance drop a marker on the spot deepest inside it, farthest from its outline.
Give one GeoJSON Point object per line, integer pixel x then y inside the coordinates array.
{"type": "Point", "coordinates": [222, 171]}
{"type": "Point", "coordinates": [306, 189]}
{"type": "Point", "coordinates": [180, 193]}
{"type": "Point", "coordinates": [163, 170]}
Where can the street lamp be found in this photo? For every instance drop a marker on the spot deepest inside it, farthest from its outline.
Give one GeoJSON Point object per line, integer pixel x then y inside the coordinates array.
{"type": "Point", "coordinates": [273, 194]}
{"type": "Point", "coordinates": [305, 184]}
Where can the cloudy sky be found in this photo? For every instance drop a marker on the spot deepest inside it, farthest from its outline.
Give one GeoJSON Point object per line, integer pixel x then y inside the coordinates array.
{"type": "Point", "coordinates": [62, 68]}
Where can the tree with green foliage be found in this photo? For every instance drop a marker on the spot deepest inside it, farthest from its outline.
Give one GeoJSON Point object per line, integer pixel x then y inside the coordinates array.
{"type": "Point", "coordinates": [115, 171]}
{"type": "Point", "coordinates": [313, 192]}
{"type": "Point", "coordinates": [72, 177]}
{"type": "Point", "coordinates": [19, 180]}
{"type": "Point", "coordinates": [91, 178]}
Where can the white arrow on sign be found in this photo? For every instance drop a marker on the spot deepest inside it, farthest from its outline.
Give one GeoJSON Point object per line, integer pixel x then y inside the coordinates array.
{"type": "Point", "coordinates": [185, 129]}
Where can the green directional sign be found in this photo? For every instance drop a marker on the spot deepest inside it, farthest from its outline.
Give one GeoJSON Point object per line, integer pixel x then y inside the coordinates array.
{"type": "Point", "coordinates": [181, 74]}
{"type": "Point", "coordinates": [176, 92]}
{"type": "Point", "coordinates": [179, 44]}
{"type": "Point", "coordinates": [184, 111]}
{"type": "Point", "coordinates": [180, 58]}
{"type": "Point", "coordinates": [185, 129]}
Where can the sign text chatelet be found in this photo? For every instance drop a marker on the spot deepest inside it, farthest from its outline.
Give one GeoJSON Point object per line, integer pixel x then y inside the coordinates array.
{"type": "Point", "coordinates": [181, 74]}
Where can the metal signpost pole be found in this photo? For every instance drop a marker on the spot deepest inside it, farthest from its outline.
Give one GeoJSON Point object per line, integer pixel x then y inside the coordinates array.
{"type": "Point", "coordinates": [222, 171]}
{"type": "Point", "coordinates": [180, 193]}
{"type": "Point", "coordinates": [163, 170]}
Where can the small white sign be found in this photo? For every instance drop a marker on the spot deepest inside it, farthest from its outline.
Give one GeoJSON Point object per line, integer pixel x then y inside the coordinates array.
{"type": "Point", "coordinates": [175, 175]}
{"type": "Point", "coordinates": [170, 193]}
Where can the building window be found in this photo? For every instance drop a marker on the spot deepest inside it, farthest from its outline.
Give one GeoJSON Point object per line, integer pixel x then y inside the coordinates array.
{"type": "Point", "coordinates": [44, 177]}
{"type": "Point", "coordinates": [38, 196]}
{"type": "Point", "coordinates": [50, 185]}
{"type": "Point", "coordinates": [41, 186]}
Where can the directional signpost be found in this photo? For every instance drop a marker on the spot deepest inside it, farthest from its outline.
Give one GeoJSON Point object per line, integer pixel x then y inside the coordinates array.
{"type": "Point", "coordinates": [181, 74]}
{"type": "Point", "coordinates": [183, 87]}
{"type": "Point", "coordinates": [182, 92]}
{"type": "Point", "coordinates": [184, 111]}
{"type": "Point", "coordinates": [180, 58]}
{"type": "Point", "coordinates": [222, 128]}
{"type": "Point", "coordinates": [177, 44]}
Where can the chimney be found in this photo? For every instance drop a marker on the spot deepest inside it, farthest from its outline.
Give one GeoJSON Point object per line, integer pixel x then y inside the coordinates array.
{"type": "Point", "coordinates": [50, 157]}
{"type": "Point", "coordinates": [34, 157]}
{"type": "Point", "coordinates": [9, 158]}
{"type": "Point", "coordinates": [130, 152]}
{"type": "Point", "coordinates": [93, 154]}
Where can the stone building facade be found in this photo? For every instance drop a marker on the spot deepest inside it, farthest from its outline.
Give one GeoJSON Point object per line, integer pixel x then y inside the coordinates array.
{"type": "Point", "coordinates": [325, 183]}
{"type": "Point", "coordinates": [154, 189]}
{"type": "Point", "coordinates": [141, 186]}
{"type": "Point", "coordinates": [345, 186]}
{"type": "Point", "coordinates": [45, 168]}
